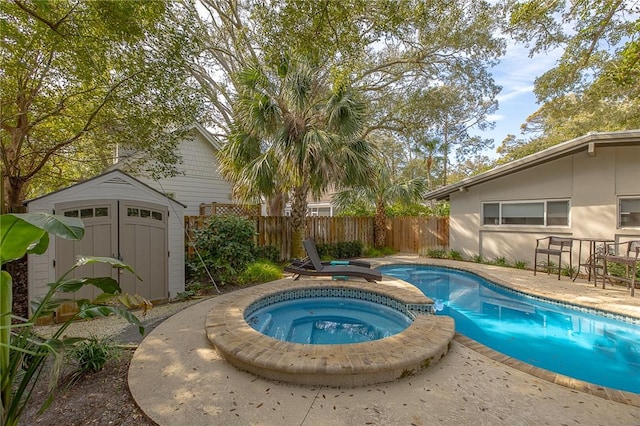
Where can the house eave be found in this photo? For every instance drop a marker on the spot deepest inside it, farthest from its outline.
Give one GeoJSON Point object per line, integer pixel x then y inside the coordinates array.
{"type": "Point", "coordinates": [588, 143]}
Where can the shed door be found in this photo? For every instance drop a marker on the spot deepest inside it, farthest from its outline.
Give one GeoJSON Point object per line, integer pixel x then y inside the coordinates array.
{"type": "Point", "coordinates": [133, 231]}
{"type": "Point", "coordinates": [143, 245]}
{"type": "Point", "coordinates": [100, 219]}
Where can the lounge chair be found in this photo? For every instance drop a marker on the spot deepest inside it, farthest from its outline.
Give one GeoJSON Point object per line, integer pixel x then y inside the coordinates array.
{"type": "Point", "coordinates": [316, 267]}
{"type": "Point", "coordinates": [306, 263]}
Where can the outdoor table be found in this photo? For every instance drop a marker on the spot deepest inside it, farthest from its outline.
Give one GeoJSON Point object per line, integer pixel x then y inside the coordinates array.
{"type": "Point", "coordinates": [590, 262]}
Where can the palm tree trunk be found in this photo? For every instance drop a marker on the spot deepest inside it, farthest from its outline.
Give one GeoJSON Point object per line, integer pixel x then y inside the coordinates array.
{"type": "Point", "coordinates": [380, 225]}
{"type": "Point", "coordinates": [298, 220]}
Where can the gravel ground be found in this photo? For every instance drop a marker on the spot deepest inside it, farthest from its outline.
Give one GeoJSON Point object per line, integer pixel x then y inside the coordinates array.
{"type": "Point", "coordinates": [118, 328]}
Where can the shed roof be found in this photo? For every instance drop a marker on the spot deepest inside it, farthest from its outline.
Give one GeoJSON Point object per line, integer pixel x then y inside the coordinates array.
{"type": "Point", "coordinates": [107, 175]}
{"type": "Point", "coordinates": [589, 143]}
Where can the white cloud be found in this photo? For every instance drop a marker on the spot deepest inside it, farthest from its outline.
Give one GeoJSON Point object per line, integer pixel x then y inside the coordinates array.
{"type": "Point", "coordinates": [516, 73]}
{"type": "Point", "coordinates": [514, 92]}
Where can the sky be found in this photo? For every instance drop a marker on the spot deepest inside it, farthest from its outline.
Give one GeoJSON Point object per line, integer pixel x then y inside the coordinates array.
{"type": "Point", "coordinates": [516, 74]}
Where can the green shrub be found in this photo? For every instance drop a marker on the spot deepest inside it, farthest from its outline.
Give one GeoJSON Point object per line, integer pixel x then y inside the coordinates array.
{"type": "Point", "coordinates": [260, 271]}
{"type": "Point", "coordinates": [226, 245]}
{"type": "Point", "coordinates": [501, 261]}
{"type": "Point", "coordinates": [270, 253]}
{"type": "Point", "coordinates": [520, 264]}
{"type": "Point", "coordinates": [341, 250]}
{"type": "Point", "coordinates": [455, 255]}
{"type": "Point", "coordinates": [185, 295]}
{"type": "Point", "coordinates": [619, 270]}
{"type": "Point", "coordinates": [379, 252]}
{"type": "Point", "coordinates": [94, 353]}
{"type": "Point", "coordinates": [437, 253]}
{"type": "Point", "coordinates": [568, 272]}
{"type": "Point", "coordinates": [478, 258]}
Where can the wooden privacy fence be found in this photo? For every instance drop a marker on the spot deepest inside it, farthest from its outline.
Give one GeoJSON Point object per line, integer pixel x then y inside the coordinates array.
{"type": "Point", "coordinates": [418, 234]}
{"type": "Point", "coordinates": [405, 234]}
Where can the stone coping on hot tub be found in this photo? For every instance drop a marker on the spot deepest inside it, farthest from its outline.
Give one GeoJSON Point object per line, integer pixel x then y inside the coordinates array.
{"type": "Point", "coordinates": [417, 347]}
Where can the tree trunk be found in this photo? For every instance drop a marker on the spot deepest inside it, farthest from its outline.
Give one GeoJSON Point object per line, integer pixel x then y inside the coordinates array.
{"type": "Point", "coordinates": [429, 179]}
{"type": "Point", "coordinates": [275, 206]}
{"type": "Point", "coordinates": [298, 220]}
{"type": "Point", "coordinates": [13, 193]}
{"type": "Point", "coordinates": [380, 226]}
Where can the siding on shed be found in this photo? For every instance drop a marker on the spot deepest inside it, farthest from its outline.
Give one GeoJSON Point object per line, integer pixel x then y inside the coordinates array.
{"type": "Point", "coordinates": [114, 185]}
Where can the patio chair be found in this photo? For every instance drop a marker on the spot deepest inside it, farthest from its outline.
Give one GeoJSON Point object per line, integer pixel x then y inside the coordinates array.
{"type": "Point", "coordinates": [553, 246]}
{"type": "Point", "coordinates": [306, 263]}
{"type": "Point", "coordinates": [627, 254]}
{"type": "Point", "coordinates": [317, 268]}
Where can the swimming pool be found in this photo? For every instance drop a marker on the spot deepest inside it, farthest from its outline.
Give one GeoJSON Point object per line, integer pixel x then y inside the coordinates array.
{"type": "Point", "coordinates": [567, 341]}
{"type": "Point", "coordinates": [328, 320]}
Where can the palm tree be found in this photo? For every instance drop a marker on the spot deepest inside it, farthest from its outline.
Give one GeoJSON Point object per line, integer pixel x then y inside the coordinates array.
{"type": "Point", "coordinates": [294, 134]}
{"type": "Point", "coordinates": [382, 191]}
{"type": "Point", "coordinates": [428, 146]}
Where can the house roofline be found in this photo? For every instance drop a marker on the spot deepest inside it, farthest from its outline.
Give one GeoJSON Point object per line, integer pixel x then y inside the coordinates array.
{"type": "Point", "coordinates": [588, 142]}
{"type": "Point", "coordinates": [207, 135]}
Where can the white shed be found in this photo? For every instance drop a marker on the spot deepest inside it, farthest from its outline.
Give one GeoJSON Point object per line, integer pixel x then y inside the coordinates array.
{"type": "Point", "coordinates": [123, 218]}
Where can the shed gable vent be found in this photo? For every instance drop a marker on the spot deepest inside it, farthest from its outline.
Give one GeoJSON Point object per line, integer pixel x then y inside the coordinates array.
{"type": "Point", "coordinates": [117, 181]}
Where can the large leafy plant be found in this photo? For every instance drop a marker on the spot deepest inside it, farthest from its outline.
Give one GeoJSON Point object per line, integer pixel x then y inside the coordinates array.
{"type": "Point", "coordinates": [226, 246]}
{"type": "Point", "coordinates": [22, 352]}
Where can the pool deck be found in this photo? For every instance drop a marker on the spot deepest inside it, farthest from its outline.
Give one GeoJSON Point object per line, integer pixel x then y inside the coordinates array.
{"type": "Point", "coordinates": [177, 378]}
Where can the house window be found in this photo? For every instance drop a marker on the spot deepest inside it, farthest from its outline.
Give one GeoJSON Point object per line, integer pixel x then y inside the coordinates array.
{"type": "Point", "coordinates": [522, 214]}
{"type": "Point", "coordinates": [629, 213]}
{"type": "Point", "coordinates": [530, 213]}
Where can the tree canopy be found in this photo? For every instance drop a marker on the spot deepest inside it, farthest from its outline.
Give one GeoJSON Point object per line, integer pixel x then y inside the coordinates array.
{"type": "Point", "coordinates": [594, 85]}
{"type": "Point", "coordinates": [420, 66]}
{"type": "Point", "coordinates": [79, 78]}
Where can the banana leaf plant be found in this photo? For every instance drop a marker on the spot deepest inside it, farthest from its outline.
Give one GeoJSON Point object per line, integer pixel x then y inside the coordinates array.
{"type": "Point", "coordinates": [23, 353]}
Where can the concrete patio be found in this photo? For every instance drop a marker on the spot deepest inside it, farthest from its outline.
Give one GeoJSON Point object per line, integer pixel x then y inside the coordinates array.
{"type": "Point", "coordinates": [177, 378]}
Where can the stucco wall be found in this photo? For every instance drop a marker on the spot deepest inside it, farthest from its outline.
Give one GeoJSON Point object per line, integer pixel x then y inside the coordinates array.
{"type": "Point", "coordinates": [591, 183]}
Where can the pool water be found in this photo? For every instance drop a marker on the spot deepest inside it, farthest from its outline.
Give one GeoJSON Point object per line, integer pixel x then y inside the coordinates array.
{"type": "Point", "coordinates": [328, 320]}
{"type": "Point", "coordinates": [577, 344]}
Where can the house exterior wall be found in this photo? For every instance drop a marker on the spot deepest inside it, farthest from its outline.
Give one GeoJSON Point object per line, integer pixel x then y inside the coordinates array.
{"type": "Point", "coordinates": [198, 180]}
{"type": "Point", "coordinates": [111, 186]}
{"type": "Point", "coordinates": [592, 184]}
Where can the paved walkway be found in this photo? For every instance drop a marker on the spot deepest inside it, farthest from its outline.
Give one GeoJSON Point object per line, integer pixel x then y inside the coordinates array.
{"type": "Point", "coordinates": [177, 378]}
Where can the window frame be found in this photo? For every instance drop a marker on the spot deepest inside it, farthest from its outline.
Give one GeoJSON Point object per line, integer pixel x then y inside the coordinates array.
{"type": "Point", "coordinates": [545, 213]}
{"type": "Point", "coordinates": [619, 211]}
